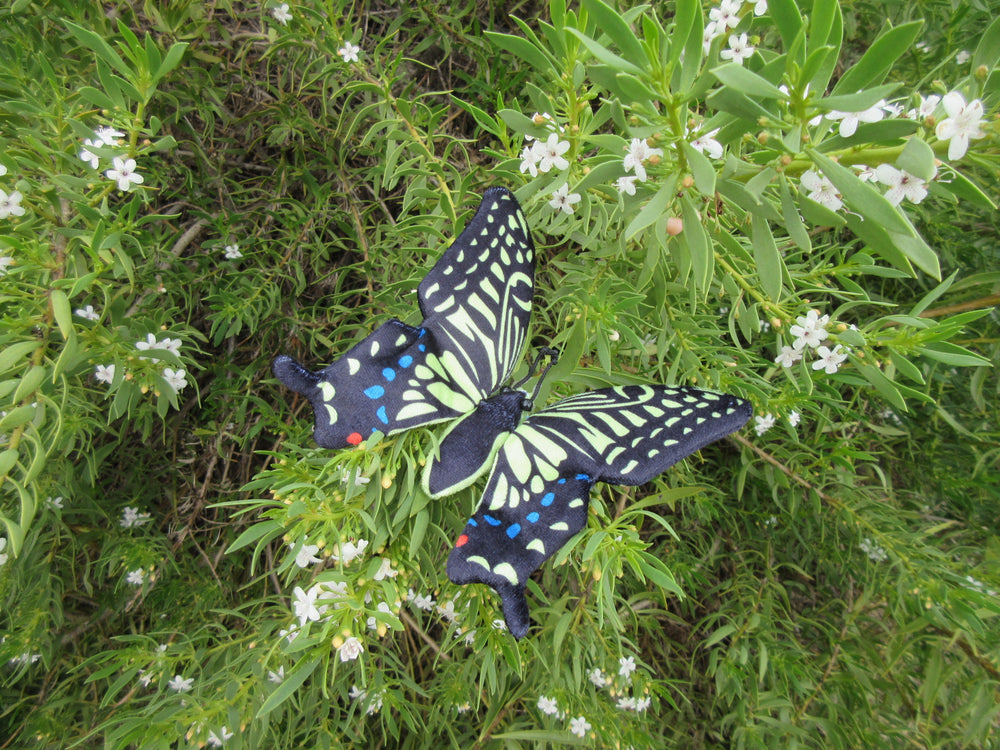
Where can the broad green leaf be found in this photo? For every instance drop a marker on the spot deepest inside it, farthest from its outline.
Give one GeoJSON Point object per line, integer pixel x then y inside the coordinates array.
{"type": "Point", "coordinates": [61, 312]}
{"type": "Point", "coordinates": [731, 100]}
{"type": "Point", "coordinates": [767, 258]}
{"type": "Point", "coordinates": [255, 532]}
{"type": "Point", "coordinates": [611, 23]}
{"type": "Point", "coordinates": [98, 46]}
{"type": "Point", "coordinates": [824, 28]}
{"type": "Point", "coordinates": [879, 58]}
{"type": "Point", "coordinates": [861, 196]}
{"type": "Point", "coordinates": [172, 59]}
{"type": "Point", "coordinates": [953, 354]}
{"type": "Point", "coordinates": [917, 158]}
{"type": "Point", "coordinates": [685, 14]}
{"type": "Point", "coordinates": [698, 244]}
{"type": "Point", "coordinates": [858, 101]}
{"type": "Point", "coordinates": [746, 81]}
{"type": "Point", "coordinates": [12, 353]}
{"type": "Point", "coordinates": [701, 169]}
{"type": "Point", "coordinates": [889, 389]}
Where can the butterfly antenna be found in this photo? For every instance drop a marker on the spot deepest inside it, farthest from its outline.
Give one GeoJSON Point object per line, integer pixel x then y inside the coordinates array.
{"type": "Point", "coordinates": [553, 357]}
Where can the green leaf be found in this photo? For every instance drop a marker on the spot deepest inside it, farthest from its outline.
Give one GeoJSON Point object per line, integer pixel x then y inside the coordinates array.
{"type": "Point", "coordinates": [963, 188]}
{"type": "Point", "coordinates": [603, 54]}
{"type": "Point", "coordinates": [653, 209]}
{"type": "Point", "coordinates": [255, 532]}
{"type": "Point", "coordinates": [685, 13]}
{"type": "Point", "coordinates": [698, 244]}
{"type": "Point", "coordinates": [861, 196]}
{"type": "Point", "coordinates": [11, 354]}
{"type": "Point", "coordinates": [523, 49]}
{"type": "Point", "coordinates": [288, 686]}
{"type": "Point", "coordinates": [953, 354]}
{"type": "Point", "coordinates": [888, 389]}
{"type": "Point", "coordinates": [858, 101]}
{"type": "Point", "coordinates": [785, 15]}
{"type": "Point", "coordinates": [878, 59]}
{"type": "Point", "coordinates": [98, 46]}
{"type": "Point", "coordinates": [701, 169]}
{"type": "Point", "coordinates": [767, 258]}
{"type": "Point", "coordinates": [793, 222]}
{"type": "Point", "coordinates": [917, 158]}
{"type": "Point", "coordinates": [611, 23]}
{"type": "Point", "coordinates": [746, 81]}
{"type": "Point", "coordinates": [62, 313]}
{"type": "Point", "coordinates": [988, 50]}
{"type": "Point", "coordinates": [171, 60]}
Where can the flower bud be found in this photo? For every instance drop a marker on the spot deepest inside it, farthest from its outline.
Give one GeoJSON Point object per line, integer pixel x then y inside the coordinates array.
{"type": "Point", "coordinates": [675, 225]}
{"type": "Point", "coordinates": [688, 181]}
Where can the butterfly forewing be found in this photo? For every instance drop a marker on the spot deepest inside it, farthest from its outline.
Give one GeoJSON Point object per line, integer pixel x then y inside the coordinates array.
{"type": "Point", "coordinates": [538, 493]}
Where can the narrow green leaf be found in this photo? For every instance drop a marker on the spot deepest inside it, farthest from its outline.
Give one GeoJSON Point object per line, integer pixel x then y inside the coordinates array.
{"type": "Point", "coordinates": [746, 81]}
{"type": "Point", "coordinates": [11, 354]}
{"type": "Point", "coordinates": [98, 46]}
{"type": "Point", "coordinates": [888, 389]}
{"type": "Point", "coordinates": [793, 222]}
{"type": "Point", "coordinates": [523, 49]}
{"type": "Point", "coordinates": [786, 16]}
{"type": "Point", "coordinates": [878, 59]}
{"type": "Point", "coordinates": [61, 312]}
{"type": "Point", "coordinates": [171, 60]}
{"type": "Point", "coordinates": [611, 23]}
{"type": "Point", "coordinates": [918, 159]}
{"type": "Point", "coordinates": [861, 196]}
{"type": "Point", "coordinates": [988, 50]}
{"type": "Point", "coordinates": [685, 13]}
{"type": "Point", "coordinates": [482, 119]}
{"type": "Point", "coordinates": [701, 169]}
{"type": "Point", "coordinates": [96, 97]}
{"type": "Point", "coordinates": [254, 533]}
{"type": "Point", "coordinates": [858, 101]}
{"type": "Point", "coordinates": [724, 632]}
{"type": "Point", "coordinates": [699, 245]}
{"type": "Point", "coordinates": [603, 54]}
{"type": "Point", "coordinates": [7, 460]}
{"type": "Point", "coordinates": [953, 354]}
{"type": "Point", "coordinates": [653, 209]}
{"type": "Point", "coordinates": [768, 259]}
{"type": "Point", "coordinates": [963, 188]}
{"type": "Point", "coordinates": [288, 686]}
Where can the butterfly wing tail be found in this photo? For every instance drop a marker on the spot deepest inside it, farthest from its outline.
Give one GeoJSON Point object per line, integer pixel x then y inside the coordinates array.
{"type": "Point", "coordinates": [294, 375]}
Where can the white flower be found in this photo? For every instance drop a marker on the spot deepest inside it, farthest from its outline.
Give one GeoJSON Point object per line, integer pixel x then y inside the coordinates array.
{"type": "Point", "coordinates": [175, 379]}
{"type": "Point", "coordinates": [626, 667]}
{"type": "Point", "coordinates": [149, 343]}
{"type": "Point", "coordinates": [926, 108]}
{"type": "Point", "coordinates": [3, 170]}
{"type": "Point", "coordinates": [794, 418]}
{"type": "Point", "coordinates": [809, 330]}
{"type": "Point", "coordinates": [447, 611]}
{"type": "Point", "coordinates": [5, 262]}
{"type": "Point", "coordinates": [552, 153]}
{"type": "Point", "coordinates": [579, 726]}
{"type": "Point", "coordinates": [87, 313]}
{"type": "Point", "coordinates": [866, 173]}
{"type": "Point", "coordinates": [763, 424]}
{"type": "Point", "coordinates": [180, 684]}
{"type": "Point", "coordinates": [290, 633]}
{"type": "Point", "coordinates": [307, 555]}
{"type": "Point", "coordinates": [849, 120]}
{"type": "Point", "coordinates": [821, 190]}
{"type": "Point", "coordinates": [3, 546]}
{"type": "Point", "coordinates": [385, 570]}
{"type": "Point", "coordinates": [350, 649]}
{"type": "Point", "coordinates": [530, 158]}
{"type": "Point", "coordinates": [626, 703]}
{"type": "Point", "coordinates": [54, 503]}
{"type": "Point", "coordinates": [349, 551]}
{"type": "Point", "coordinates": [218, 740]}
{"type": "Point", "coordinates": [707, 142]}
{"type": "Point", "coordinates": [759, 9]}
{"type": "Point", "coordinates": [305, 604]}
{"type": "Point", "coordinates": [901, 184]}
{"type": "Point", "coordinates": [725, 16]}
{"type": "Point", "coordinates": [89, 156]}
{"type": "Point", "coordinates": [739, 49]}
{"type": "Point", "coordinates": [548, 706]}
{"type": "Point", "coordinates": [874, 552]}
{"type": "Point", "coordinates": [10, 205]}
{"type": "Point", "coordinates": [708, 37]}
{"type": "Point", "coordinates": [105, 373]}
{"type": "Point", "coordinates": [276, 677]}
{"type": "Point", "coordinates": [131, 517]}
{"type": "Point", "coordinates": [830, 359]}
{"type": "Point", "coordinates": [349, 52]}
{"type": "Point", "coordinates": [123, 172]}
{"type": "Point", "coordinates": [420, 601]}
{"type": "Point", "coordinates": [359, 478]}
{"type": "Point", "coordinates": [643, 703]}
{"type": "Point", "coordinates": [893, 110]}
{"type": "Point", "coordinates": [563, 200]}
{"type": "Point", "coordinates": [281, 14]}
{"type": "Point", "coordinates": [962, 124]}
{"type": "Point", "coordinates": [963, 57]}
{"type": "Point", "coordinates": [135, 577]}
{"type": "Point", "coordinates": [626, 184]}
{"type": "Point", "coordinates": [597, 677]}
{"type": "Point", "coordinates": [107, 136]}
{"type": "Point", "coordinates": [171, 345]}
{"type": "Point", "coordinates": [789, 356]}
{"type": "Point", "coordinates": [637, 154]}
{"type": "Point", "coordinates": [232, 252]}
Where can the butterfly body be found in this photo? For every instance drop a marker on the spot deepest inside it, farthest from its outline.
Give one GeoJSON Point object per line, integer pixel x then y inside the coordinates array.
{"type": "Point", "coordinates": [476, 305]}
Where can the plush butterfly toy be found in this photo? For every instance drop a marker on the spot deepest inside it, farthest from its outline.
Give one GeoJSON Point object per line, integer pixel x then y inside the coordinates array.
{"type": "Point", "coordinates": [476, 305]}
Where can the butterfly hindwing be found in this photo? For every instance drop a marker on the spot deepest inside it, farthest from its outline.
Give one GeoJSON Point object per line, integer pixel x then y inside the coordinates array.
{"type": "Point", "coordinates": [538, 494]}
{"type": "Point", "coordinates": [476, 303]}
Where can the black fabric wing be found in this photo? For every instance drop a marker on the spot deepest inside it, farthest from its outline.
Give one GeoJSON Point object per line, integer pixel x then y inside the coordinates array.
{"type": "Point", "coordinates": [476, 303]}
{"type": "Point", "coordinates": [538, 494]}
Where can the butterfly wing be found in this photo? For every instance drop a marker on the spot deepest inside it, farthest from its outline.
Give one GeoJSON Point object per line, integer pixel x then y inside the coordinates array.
{"type": "Point", "coordinates": [538, 494]}
{"type": "Point", "coordinates": [476, 303]}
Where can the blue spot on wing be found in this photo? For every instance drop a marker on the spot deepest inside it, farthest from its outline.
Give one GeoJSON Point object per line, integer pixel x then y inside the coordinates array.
{"type": "Point", "coordinates": [584, 477]}
{"type": "Point", "coordinates": [513, 530]}
{"type": "Point", "coordinates": [533, 517]}
{"type": "Point", "coordinates": [547, 500]}
{"type": "Point", "coordinates": [381, 415]}
{"type": "Point", "coordinates": [389, 374]}
{"type": "Point", "coordinates": [472, 522]}
{"type": "Point", "coordinates": [491, 520]}
{"type": "Point", "coordinates": [376, 391]}
{"type": "Point", "coordinates": [405, 361]}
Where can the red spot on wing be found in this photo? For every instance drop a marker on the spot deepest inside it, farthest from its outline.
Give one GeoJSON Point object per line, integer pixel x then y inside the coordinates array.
{"type": "Point", "coordinates": [461, 540]}
{"type": "Point", "coordinates": [354, 438]}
